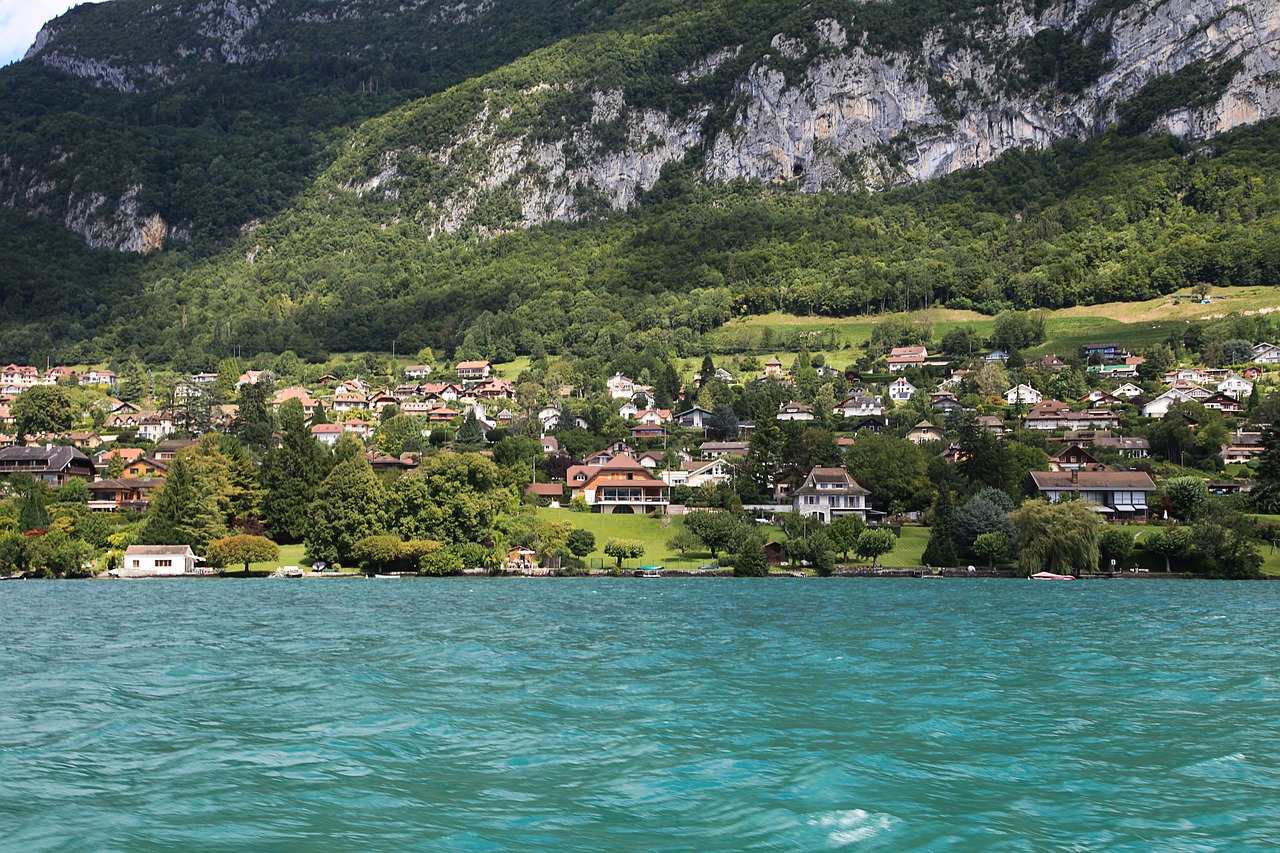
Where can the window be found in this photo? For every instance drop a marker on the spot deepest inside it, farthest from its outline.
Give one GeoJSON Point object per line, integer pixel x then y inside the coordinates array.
{"type": "Point", "coordinates": [136, 564]}
{"type": "Point", "coordinates": [163, 564]}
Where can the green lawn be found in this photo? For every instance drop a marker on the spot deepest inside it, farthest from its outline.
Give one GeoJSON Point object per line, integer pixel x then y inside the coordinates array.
{"type": "Point", "coordinates": [290, 555]}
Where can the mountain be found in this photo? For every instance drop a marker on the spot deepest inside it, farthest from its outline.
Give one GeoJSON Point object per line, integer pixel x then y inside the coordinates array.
{"type": "Point", "coordinates": [332, 174]}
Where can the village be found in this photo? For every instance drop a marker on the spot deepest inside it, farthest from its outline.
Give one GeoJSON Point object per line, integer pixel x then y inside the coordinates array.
{"type": "Point", "coordinates": [613, 445]}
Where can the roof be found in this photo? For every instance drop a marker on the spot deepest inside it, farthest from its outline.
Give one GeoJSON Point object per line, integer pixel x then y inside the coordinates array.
{"type": "Point", "coordinates": [472, 365]}
{"type": "Point", "coordinates": [545, 490]}
{"type": "Point", "coordinates": [55, 458]}
{"type": "Point", "coordinates": [157, 550]}
{"type": "Point", "coordinates": [838, 476]}
{"type": "Point", "coordinates": [1133, 480]}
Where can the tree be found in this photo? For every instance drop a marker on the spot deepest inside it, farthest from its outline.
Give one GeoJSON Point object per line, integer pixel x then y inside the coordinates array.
{"type": "Point", "coordinates": [1059, 537]}
{"type": "Point", "coordinates": [1186, 495]}
{"type": "Point", "coordinates": [843, 534]}
{"type": "Point", "coordinates": [32, 514]}
{"type": "Point", "coordinates": [723, 423]}
{"type": "Point", "coordinates": [185, 510]}
{"type": "Point", "coordinates": [348, 507]}
{"type": "Point", "coordinates": [893, 469]}
{"type": "Point", "coordinates": [255, 423]}
{"type": "Point", "coordinates": [1266, 490]}
{"type": "Point", "coordinates": [378, 550]}
{"type": "Point", "coordinates": [716, 530]}
{"type": "Point", "coordinates": [1237, 352]}
{"type": "Point", "coordinates": [1172, 543]}
{"type": "Point", "coordinates": [992, 546]}
{"type": "Point", "coordinates": [1116, 544]}
{"type": "Point", "coordinates": [751, 561]}
{"type": "Point", "coordinates": [290, 475]}
{"type": "Point", "coordinates": [683, 540]}
{"type": "Point", "coordinates": [624, 549]}
{"type": "Point", "coordinates": [467, 493]}
{"type": "Point", "coordinates": [941, 550]}
{"type": "Point", "coordinates": [242, 549]}
{"type": "Point", "coordinates": [1224, 540]}
{"type": "Point", "coordinates": [986, 512]}
{"type": "Point", "coordinates": [115, 465]}
{"type": "Point", "coordinates": [580, 542]}
{"type": "Point", "coordinates": [41, 409]}
{"type": "Point", "coordinates": [470, 435]}
{"type": "Point", "coordinates": [875, 543]}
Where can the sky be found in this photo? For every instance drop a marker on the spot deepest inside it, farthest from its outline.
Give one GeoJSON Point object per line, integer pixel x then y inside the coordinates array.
{"type": "Point", "coordinates": [20, 20]}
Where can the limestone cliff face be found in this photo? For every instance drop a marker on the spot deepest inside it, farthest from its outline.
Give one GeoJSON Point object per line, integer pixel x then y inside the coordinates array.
{"type": "Point", "coordinates": [822, 109]}
{"type": "Point", "coordinates": [857, 117]}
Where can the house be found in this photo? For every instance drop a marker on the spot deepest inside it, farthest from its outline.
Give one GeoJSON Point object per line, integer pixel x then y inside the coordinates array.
{"type": "Point", "coordinates": [1223, 403]}
{"type": "Point", "coordinates": [925, 431]}
{"type": "Point", "coordinates": [1244, 446]}
{"type": "Point", "coordinates": [142, 561]}
{"type": "Point", "coordinates": [327, 433]}
{"type": "Point", "coordinates": [56, 374]}
{"type": "Point", "coordinates": [653, 417]}
{"type": "Point", "coordinates": [1052, 362]}
{"type": "Point", "coordinates": [102, 376]}
{"type": "Point", "coordinates": [871, 424]}
{"type": "Point", "coordinates": [1160, 406]}
{"type": "Point", "coordinates": [1116, 494]}
{"type": "Point", "coordinates": [145, 468]}
{"type": "Point", "coordinates": [550, 445]}
{"type": "Point", "coordinates": [1023, 395]}
{"type": "Point", "coordinates": [945, 402]}
{"type": "Point", "coordinates": [1114, 371]}
{"type": "Point", "coordinates": [201, 378]}
{"type": "Point", "coordinates": [102, 458]}
{"type": "Point", "coordinates": [549, 494]}
{"type": "Point", "coordinates": [621, 486]}
{"type": "Point", "coordinates": [652, 432]}
{"type": "Point", "coordinates": [1073, 457]}
{"type": "Point", "coordinates": [1128, 390]}
{"type": "Point", "coordinates": [1236, 386]}
{"type": "Point", "coordinates": [996, 356]}
{"type": "Point", "coordinates": [53, 465]}
{"type": "Point", "coordinates": [1110, 352]}
{"type": "Point", "coordinates": [302, 395]}
{"type": "Point", "coordinates": [157, 426]}
{"type": "Point", "coordinates": [19, 377]}
{"type": "Point", "coordinates": [417, 371]}
{"type": "Point", "coordinates": [900, 358]}
{"type": "Point", "coordinates": [697, 474]}
{"type": "Point", "coordinates": [1191, 389]}
{"type": "Point", "coordinates": [346, 400]}
{"type": "Point", "coordinates": [794, 411]}
{"type": "Point", "coordinates": [830, 493]}
{"type": "Point", "coordinates": [1134, 448]}
{"type": "Point", "coordinates": [359, 428]}
{"type": "Point", "coordinates": [719, 449]}
{"type": "Point", "coordinates": [695, 418]}
{"type": "Point", "coordinates": [249, 377]}
{"type": "Point", "coordinates": [473, 369]}
{"type": "Point", "coordinates": [773, 368]}
{"type": "Point", "coordinates": [122, 493]}
{"type": "Point", "coordinates": [379, 400]}
{"type": "Point", "coordinates": [652, 459]}
{"type": "Point", "coordinates": [1057, 415]}
{"type": "Point", "coordinates": [620, 387]}
{"type": "Point", "coordinates": [495, 388]}
{"type": "Point", "coordinates": [900, 390]}
{"type": "Point", "coordinates": [166, 450]}
{"type": "Point", "coordinates": [1098, 397]}
{"type": "Point", "coordinates": [991, 424]}
{"type": "Point", "coordinates": [1265, 353]}
{"type": "Point", "coordinates": [861, 406]}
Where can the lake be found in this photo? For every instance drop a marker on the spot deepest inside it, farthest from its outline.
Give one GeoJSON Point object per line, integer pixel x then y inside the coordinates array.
{"type": "Point", "coordinates": [639, 715]}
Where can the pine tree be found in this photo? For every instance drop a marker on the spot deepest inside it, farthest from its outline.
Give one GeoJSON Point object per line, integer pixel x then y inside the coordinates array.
{"type": "Point", "coordinates": [470, 435]}
{"type": "Point", "coordinates": [941, 550]}
{"type": "Point", "coordinates": [1266, 490]}
{"type": "Point", "coordinates": [31, 512]}
{"type": "Point", "coordinates": [185, 509]}
{"type": "Point", "coordinates": [290, 475]}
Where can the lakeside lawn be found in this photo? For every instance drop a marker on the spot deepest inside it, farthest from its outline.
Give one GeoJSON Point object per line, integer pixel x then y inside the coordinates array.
{"type": "Point", "coordinates": [290, 555]}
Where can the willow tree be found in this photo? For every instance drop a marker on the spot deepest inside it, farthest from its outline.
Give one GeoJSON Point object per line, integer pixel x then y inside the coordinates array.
{"type": "Point", "coordinates": [1057, 537]}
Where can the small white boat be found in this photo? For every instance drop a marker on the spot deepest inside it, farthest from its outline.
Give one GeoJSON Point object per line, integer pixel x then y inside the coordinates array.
{"type": "Point", "coordinates": [650, 571]}
{"type": "Point", "coordinates": [1050, 576]}
{"type": "Point", "coordinates": [287, 572]}
{"type": "Point", "coordinates": [396, 575]}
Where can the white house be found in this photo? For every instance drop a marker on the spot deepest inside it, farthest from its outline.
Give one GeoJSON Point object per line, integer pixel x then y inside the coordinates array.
{"type": "Point", "coordinates": [794, 412]}
{"type": "Point", "coordinates": [327, 433]}
{"type": "Point", "coordinates": [144, 561]}
{"type": "Point", "coordinates": [104, 377]}
{"type": "Point", "coordinates": [1235, 386]}
{"type": "Point", "coordinates": [900, 358]}
{"type": "Point", "coordinates": [1160, 406]}
{"type": "Point", "coordinates": [620, 387]}
{"type": "Point", "coordinates": [695, 474]}
{"type": "Point", "coordinates": [830, 493]}
{"type": "Point", "coordinates": [1023, 395]}
{"type": "Point", "coordinates": [695, 418]}
{"type": "Point", "coordinates": [900, 390]}
{"type": "Point", "coordinates": [1265, 353]}
{"type": "Point", "coordinates": [417, 371]}
{"type": "Point", "coordinates": [1129, 390]}
{"type": "Point", "coordinates": [628, 411]}
{"type": "Point", "coordinates": [860, 406]}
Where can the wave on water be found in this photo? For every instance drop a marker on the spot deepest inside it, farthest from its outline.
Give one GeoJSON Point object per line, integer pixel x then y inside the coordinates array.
{"type": "Point", "coordinates": [853, 826]}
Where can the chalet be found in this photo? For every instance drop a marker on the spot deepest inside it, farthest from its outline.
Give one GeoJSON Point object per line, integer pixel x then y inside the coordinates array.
{"type": "Point", "coordinates": [695, 418]}
{"type": "Point", "coordinates": [505, 417]}
{"type": "Point", "coordinates": [120, 493]}
{"type": "Point", "coordinates": [830, 493]}
{"type": "Point", "coordinates": [991, 424]}
{"type": "Point", "coordinates": [417, 371]}
{"type": "Point", "coordinates": [653, 417]}
{"type": "Point", "coordinates": [327, 433]}
{"type": "Point", "coordinates": [900, 390]}
{"type": "Point", "coordinates": [945, 402]}
{"type": "Point", "coordinates": [1265, 353]}
{"type": "Point", "coordinates": [1022, 395]}
{"type": "Point", "coordinates": [102, 376]}
{"type": "Point", "coordinates": [1244, 446]}
{"type": "Point", "coordinates": [1134, 448]}
{"type": "Point", "coordinates": [1191, 389]}
{"type": "Point", "coordinates": [166, 450]}
{"type": "Point", "coordinates": [1115, 494]}
{"type": "Point", "coordinates": [57, 374]}
{"type": "Point", "coordinates": [871, 424]}
{"type": "Point", "coordinates": [794, 411]}
{"type": "Point", "coordinates": [621, 486]}
{"type": "Point", "coordinates": [1057, 415]}
{"type": "Point", "coordinates": [900, 358]}
{"type": "Point", "coordinates": [550, 445]}
{"type": "Point", "coordinates": [720, 449]}
{"type": "Point", "coordinates": [1160, 406]}
{"type": "Point", "coordinates": [1073, 457]}
{"type": "Point", "coordinates": [495, 388]}
{"type": "Point", "coordinates": [345, 400]}
{"type": "Point", "coordinates": [20, 376]}
{"type": "Point", "coordinates": [1223, 403]}
{"type": "Point", "coordinates": [773, 368]}
{"type": "Point", "coordinates": [379, 400]}
{"type": "Point", "coordinates": [1098, 397]}
{"type": "Point", "coordinates": [387, 462]}
{"type": "Point", "coordinates": [697, 474]}
{"type": "Point", "coordinates": [620, 387]}
{"type": "Point", "coordinates": [1129, 391]}
{"type": "Point", "coordinates": [142, 561]}
{"type": "Point", "coordinates": [1110, 352]}
{"type": "Point", "coordinates": [102, 458]}
{"type": "Point", "coordinates": [861, 406]}
{"type": "Point", "coordinates": [417, 407]}
{"type": "Point", "coordinates": [925, 431]}
{"type": "Point", "coordinates": [1236, 386]}
{"type": "Point", "coordinates": [145, 468]}
{"type": "Point", "coordinates": [651, 432]}
{"type": "Point", "coordinates": [473, 369]}
{"type": "Point", "coordinates": [1052, 362]}
{"type": "Point", "coordinates": [52, 465]}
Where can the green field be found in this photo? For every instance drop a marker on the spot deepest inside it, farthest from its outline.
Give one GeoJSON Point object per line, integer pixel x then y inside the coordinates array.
{"type": "Point", "coordinates": [654, 533]}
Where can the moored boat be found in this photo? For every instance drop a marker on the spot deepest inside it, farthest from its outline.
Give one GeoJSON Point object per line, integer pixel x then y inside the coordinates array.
{"type": "Point", "coordinates": [650, 571]}
{"type": "Point", "coordinates": [1050, 576]}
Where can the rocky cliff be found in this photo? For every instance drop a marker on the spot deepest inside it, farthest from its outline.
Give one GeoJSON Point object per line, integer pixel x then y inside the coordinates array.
{"type": "Point", "coordinates": [818, 103]}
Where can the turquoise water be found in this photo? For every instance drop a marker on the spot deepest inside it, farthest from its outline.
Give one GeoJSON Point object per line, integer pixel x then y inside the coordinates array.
{"type": "Point", "coordinates": [621, 715]}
